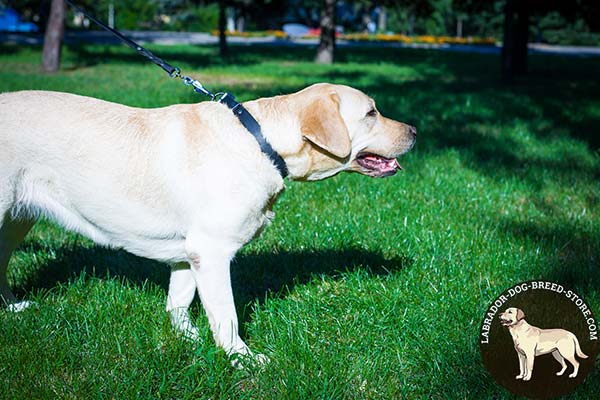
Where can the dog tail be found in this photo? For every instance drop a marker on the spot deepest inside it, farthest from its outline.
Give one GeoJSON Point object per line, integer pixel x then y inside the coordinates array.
{"type": "Point", "coordinates": [580, 353]}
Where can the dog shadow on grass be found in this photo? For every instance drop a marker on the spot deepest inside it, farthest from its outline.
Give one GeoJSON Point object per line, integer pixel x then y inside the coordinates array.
{"type": "Point", "coordinates": [255, 276]}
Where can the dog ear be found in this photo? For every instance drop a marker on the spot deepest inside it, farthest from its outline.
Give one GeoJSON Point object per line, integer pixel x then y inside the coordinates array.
{"type": "Point", "coordinates": [520, 314]}
{"type": "Point", "coordinates": [323, 126]}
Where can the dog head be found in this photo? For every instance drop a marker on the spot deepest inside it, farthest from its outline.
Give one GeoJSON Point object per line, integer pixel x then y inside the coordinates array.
{"type": "Point", "coordinates": [511, 316]}
{"type": "Point", "coordinates": [339, 128]}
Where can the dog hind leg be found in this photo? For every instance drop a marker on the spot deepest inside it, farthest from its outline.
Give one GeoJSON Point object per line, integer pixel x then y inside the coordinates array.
{"type": "Point", "coordinates": [571, 358]}
{"type": "Point", "coordinates": [556, 354]}
{"type": "Point", "coordinates": [566, 347]}
{"type": "Point", "coordinates": [12, 233]}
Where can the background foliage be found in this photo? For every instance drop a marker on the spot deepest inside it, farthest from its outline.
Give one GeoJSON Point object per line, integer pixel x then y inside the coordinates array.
{"type": "Point", "coordinates": [553, 21]}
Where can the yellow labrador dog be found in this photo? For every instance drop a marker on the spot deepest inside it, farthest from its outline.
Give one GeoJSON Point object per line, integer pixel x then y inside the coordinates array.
{"type": "Point", "coordinates": [185, 184]}
{"type": "Point", "coordinates": [531, 342]}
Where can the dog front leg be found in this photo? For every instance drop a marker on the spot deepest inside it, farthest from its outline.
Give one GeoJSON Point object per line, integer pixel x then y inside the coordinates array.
{"type": "Point", "coordinates": [182, 289]}
{"type": "Point", "coordinates": [209, 261]}
{"type": "Point", "coordinates": [521, 365]}
{"type": "Point", "coordinates": [529, 359]}
{"type": "Point", "coordinates": [213, 280]}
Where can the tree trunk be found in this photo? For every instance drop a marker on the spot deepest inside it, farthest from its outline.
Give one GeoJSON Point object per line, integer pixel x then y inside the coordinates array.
{"type": "Point", "coordinates": [326, 49]}
{"type": "Point", "coordinates": [382, 23]}
{"type": "Point", "coordinates": [111, 14]}
{"type": "Point", "coordinates": [230, 15]}
{"type": "Point", "coordinates": [53, 37]}
{"type": "Point", "coordinates": [222, 22]}
{"type": "Point", "coordinates": [508, 43]}
{"type": "Point", "coordinates": [241, 23]}
{"type": "Point", "coordinates": [516, 35]}
{"type": "Point", "coordinates": [521, 38]}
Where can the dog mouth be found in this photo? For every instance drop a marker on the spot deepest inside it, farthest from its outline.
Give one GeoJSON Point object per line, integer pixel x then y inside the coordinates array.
{"type": "Point", "coordinates": [377, 166]}
{"type": "Point", "coordinates": [505, 322]}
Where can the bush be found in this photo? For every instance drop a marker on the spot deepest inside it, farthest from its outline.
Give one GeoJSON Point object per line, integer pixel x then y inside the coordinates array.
{"type": "Point", "coordinates": [553, 28]}
{"type": "Point", "coordinates": [198, 19]}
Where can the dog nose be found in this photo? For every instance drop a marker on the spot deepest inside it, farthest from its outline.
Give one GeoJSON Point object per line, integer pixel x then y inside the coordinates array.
{"type": "Point", "coordinates": [412, 130]}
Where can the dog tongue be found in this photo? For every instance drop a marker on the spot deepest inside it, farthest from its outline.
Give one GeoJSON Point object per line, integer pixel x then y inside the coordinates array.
{"type": "Point", "coordinates": [381, 163]}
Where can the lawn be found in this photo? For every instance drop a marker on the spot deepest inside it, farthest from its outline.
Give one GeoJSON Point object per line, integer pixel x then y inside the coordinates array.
{"type": "Point", "coordinates": [361, 288]}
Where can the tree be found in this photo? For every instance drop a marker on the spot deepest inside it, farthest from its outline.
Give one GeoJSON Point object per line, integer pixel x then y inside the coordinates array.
{"type": "Point", "coordinates": [53, 37]}
{"type": "Point", "coordinates": [515, 38]}
{"type": "Point", "coordinates": [404, 14]}
{"type": "Point", "coordinates": [515, 34]}
{"type": "Point", "coordinates": [222, 27]}
{"type": "Point", "coordinates": [517, 17]}
{"type": "Point", "coordinates": [326, 49]}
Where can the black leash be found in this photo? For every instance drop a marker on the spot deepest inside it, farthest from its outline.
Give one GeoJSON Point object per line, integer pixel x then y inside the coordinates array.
{"type": "Point", "coordinates": [246, 119]}
{"type": "Point", "coordinates": [171, 70]}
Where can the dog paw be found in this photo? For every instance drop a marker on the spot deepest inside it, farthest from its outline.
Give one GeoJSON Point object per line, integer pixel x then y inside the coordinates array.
{"type": "Point", "coordinates": [20, 306]}
{"type": "Point", "coordinates": [559, 373]}
{"type": "Point", "coordinates": [519, 377]}
{"type": "Point", "coordinates": [261, 359]}
{"type": "Point", "coordinates": [190, 333]}
{"type": "Point", "coordinates": [573, 375]}
{"type": "Point", "coordinates": [248, 360]}
{"type": "Point", "coordinates": [180, 320]}
{"type": "Point", "coordinates": [526, 378]}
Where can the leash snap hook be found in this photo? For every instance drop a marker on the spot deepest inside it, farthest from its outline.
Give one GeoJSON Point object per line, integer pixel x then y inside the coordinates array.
{"type": "Point", "coordinates": [198, 87]}
{"type": "Point", "coordinates": [176, 73]}
{"type": "Point", "coordinates": [218, 97]}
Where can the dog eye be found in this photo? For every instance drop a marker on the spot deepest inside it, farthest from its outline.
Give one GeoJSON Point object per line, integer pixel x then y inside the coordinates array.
{"type": "Point", "coordinates": [372, 113]}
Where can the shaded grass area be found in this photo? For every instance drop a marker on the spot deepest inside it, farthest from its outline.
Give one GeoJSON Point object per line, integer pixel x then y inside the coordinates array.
{"type": "Point", "coordinates": [361, 288]}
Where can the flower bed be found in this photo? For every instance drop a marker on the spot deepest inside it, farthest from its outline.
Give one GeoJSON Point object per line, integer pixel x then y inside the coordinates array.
{"type": "Point", "coordinates": [427, 39]}
{"type": "Point", "coordinates": [378, 37]}
{"type": "Point", "coordinates": [251, 34]}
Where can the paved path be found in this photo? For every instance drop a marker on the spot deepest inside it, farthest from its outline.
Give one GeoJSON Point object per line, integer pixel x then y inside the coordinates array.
{"type": "Point", "coordinates": [199, 38]}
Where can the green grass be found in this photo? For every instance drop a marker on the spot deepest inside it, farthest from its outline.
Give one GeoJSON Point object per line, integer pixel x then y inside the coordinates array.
{"type": "Point", "coordinates": [361, 288]}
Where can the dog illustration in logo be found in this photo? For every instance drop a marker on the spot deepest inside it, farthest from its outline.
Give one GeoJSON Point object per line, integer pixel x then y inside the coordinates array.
{"type": "Point", "coordinates": [531, 341]}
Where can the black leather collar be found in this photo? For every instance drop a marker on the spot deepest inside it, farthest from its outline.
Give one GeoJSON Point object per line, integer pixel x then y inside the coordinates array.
{"type": "Point", "coordinates": [254, 128]}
